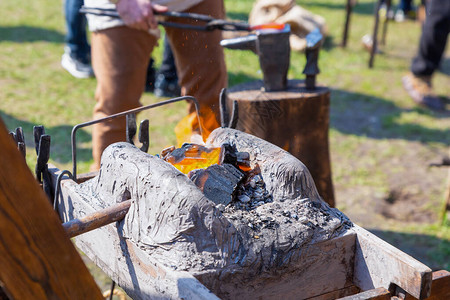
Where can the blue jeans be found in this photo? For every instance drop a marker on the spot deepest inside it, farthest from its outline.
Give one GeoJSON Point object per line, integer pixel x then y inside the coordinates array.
{"type": "Point", "coordinates": [76, 38]}
{"type": "Point", "coordinates": [405, 5]}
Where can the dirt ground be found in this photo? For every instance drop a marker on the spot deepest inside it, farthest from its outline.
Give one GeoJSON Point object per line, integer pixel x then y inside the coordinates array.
{"type": "Point", "coordinates": [406, 195]}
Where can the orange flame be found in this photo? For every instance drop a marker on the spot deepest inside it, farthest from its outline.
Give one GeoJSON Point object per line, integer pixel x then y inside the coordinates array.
{"type": "Point", "coordinates": [195, 157]}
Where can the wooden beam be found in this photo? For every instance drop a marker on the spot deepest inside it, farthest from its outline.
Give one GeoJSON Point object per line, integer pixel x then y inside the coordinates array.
{"type": "Point", "coordinates": [379, 264]}
{"type": "Point", "coordinates": [37, 259]}
{"type": "Point", "coordinates": [440, 287]}
{"type": "Point", "coordinates": [375, 294]}
{"type": "Point", "coordinates": [337, 294]}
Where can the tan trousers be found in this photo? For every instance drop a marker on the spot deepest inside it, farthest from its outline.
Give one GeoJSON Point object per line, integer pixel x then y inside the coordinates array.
{"type": "Point", "coordinates": [120, 57]}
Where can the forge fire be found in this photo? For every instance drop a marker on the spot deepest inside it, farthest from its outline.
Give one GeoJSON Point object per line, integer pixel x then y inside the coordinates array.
{"type": "Point", "coordinates": [223, 174]}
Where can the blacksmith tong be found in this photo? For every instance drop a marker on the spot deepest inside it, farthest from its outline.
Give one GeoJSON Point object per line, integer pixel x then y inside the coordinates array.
{"type": "Point", "coordinates": [210, 23]}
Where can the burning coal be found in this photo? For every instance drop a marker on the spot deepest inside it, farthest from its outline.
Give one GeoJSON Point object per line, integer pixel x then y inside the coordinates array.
{"type": "Point", "coordinates": [223, 174]}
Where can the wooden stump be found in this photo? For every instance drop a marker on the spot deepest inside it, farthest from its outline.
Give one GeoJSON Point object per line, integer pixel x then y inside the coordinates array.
{"type": "Point", "coordinates": [296, 120]}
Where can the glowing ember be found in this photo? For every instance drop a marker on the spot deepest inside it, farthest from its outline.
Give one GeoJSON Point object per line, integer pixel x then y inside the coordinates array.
{"type": "Point", "coordinates": [191, 156]}
{"type": "Point", "coordinates": [275, 26]}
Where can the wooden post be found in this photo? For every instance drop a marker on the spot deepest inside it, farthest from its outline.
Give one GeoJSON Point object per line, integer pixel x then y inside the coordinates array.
{"type": "Point", "coordinates": [375, 34]}
{"type": "Point", "coordinates": [295, 119]}
{"type": "Point", "coordinates": [348, 13]}
{"type": "Point", "coordinates": [37, 259]}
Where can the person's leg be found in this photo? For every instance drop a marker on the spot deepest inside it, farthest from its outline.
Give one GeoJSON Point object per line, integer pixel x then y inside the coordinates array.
{"type": "Point", "coordinates": [166, 82]}
{"type": "Point", "coordinates": [77, 52]}
{"type": "Point", "coordinates": [120, 58]}
{"type": "Point", "coordinates": [405, 5]}
{"type": "Point", "coordinates": [431, 48]}
{"type": "Point", "coordinates": [201, 65]}
{"type": "Point", "coordinates": [168, 68]}
{"type": "Point", "coordinates": [76, 39]}
{"type": "Point", "coordinates": [434, 38]}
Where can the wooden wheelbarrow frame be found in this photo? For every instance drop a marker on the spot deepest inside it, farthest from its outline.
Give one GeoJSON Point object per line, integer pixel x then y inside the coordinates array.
{"type": "Point", "coordinates": [357, 265]}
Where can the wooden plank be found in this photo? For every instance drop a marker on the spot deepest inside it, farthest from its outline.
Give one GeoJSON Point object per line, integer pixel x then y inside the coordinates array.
{"type": "Point", "coordinates": [37, 259]}
{"type": "Point", "coordinates": [378, 264]}
{"type": "Point", "coordinates": [440, 287]}
{"type": "Point", "coordinates": [347, 291]}
{"type": "Point", "coordinates": [315, 269]}
{"type": "Point", "coordinates": [375, 294]}
{"type": "Point", "coordinates": [131, 267]}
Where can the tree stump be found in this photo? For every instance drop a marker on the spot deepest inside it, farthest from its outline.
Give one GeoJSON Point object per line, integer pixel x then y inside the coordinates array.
{"type": "Point", "coordinates": [295, 119]}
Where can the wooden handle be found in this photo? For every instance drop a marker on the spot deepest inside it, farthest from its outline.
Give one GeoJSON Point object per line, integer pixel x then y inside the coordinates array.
{"type": "Point", "coordinates": [98, 219]}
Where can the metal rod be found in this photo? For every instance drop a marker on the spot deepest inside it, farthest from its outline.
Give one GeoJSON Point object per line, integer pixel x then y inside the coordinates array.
{"type": "Point", "coordinates": [348, 9]}
{"type": "Point", "coordinates": [385, 23]}
{"type": "Point", "coordinates": [111, 12]}
{"type": "Point", "coordinates": [121, 114]}
{"type": "Point", "coordinates": [98, 219]}
{"type": "Point", "coordinates": [58, 186]}
{"type": "Point", "coordinates": [113, 286]}
{"type": "Point", "coordinates": [375, 34]}
{"type": "Point", "coordinates": [211, 23]}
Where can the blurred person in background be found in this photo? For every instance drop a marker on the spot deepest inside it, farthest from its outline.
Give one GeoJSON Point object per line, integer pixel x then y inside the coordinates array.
{"type": "Point", "coordinates": [432, 44]}
{"type": "Point", "coordinates": [405, 10]}
{"type": "Point", "coordinates": [77, 52]}
{"type": "Point", "coordinates": [164, 82]}
{"type": "Point", "coordinates": [120, 55]}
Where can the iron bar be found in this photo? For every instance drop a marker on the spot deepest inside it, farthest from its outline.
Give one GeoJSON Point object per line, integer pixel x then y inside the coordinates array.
{"type": "Point", "coordinates": [124, 113]}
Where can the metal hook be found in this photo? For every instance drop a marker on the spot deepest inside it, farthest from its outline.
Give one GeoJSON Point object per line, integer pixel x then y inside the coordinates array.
{"type": "Point", "coordinates": [19, 139]}
{"type": "Point", "coordinates": [38, 131]}
{"type": "Point", "coordinates": [58, 187]}
{"type": "Point", "coordinates": [224, 116]}
{"type": "Point", "coordinates": [144, 135]}
{"type": "Point", "coordinates": [131, 128]}
{"type": "Point", "coordinates": [234, 115]}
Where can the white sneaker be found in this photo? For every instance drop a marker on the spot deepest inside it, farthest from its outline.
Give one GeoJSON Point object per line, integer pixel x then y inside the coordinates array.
{"type": "Point", "coordinates": [76, 67]}
{"type": "Point", "coordinates": [399, 16]}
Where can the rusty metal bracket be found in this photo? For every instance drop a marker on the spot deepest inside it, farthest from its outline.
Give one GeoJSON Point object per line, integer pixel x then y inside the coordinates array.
{"type": "Point", "coordinates": [41, 170]}
{"type": "Point", "coordinates": [131, 128]}
{"type": "Point", "coordinates": [19, 139]}
{"type": "Point", "coordinates": [224, 116]}
{"type": "Point", "coordinates": [234, 115]}
{"type": "Point", "coordinates": [122, 114]}
{"type": "Point", "coordinates": [143, 132]}
{"type": "Point", "coordinates": [225, 120]}
{"type": "Point", "coordinates": [144, 135]}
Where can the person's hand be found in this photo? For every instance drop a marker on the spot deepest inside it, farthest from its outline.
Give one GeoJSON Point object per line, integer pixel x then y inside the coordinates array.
{"type": "Point", "coordinates": [138, 14]}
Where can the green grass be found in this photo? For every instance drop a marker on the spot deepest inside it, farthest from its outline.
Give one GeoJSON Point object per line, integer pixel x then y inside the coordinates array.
{"type": "Point", "coordinates": [379, 139]}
